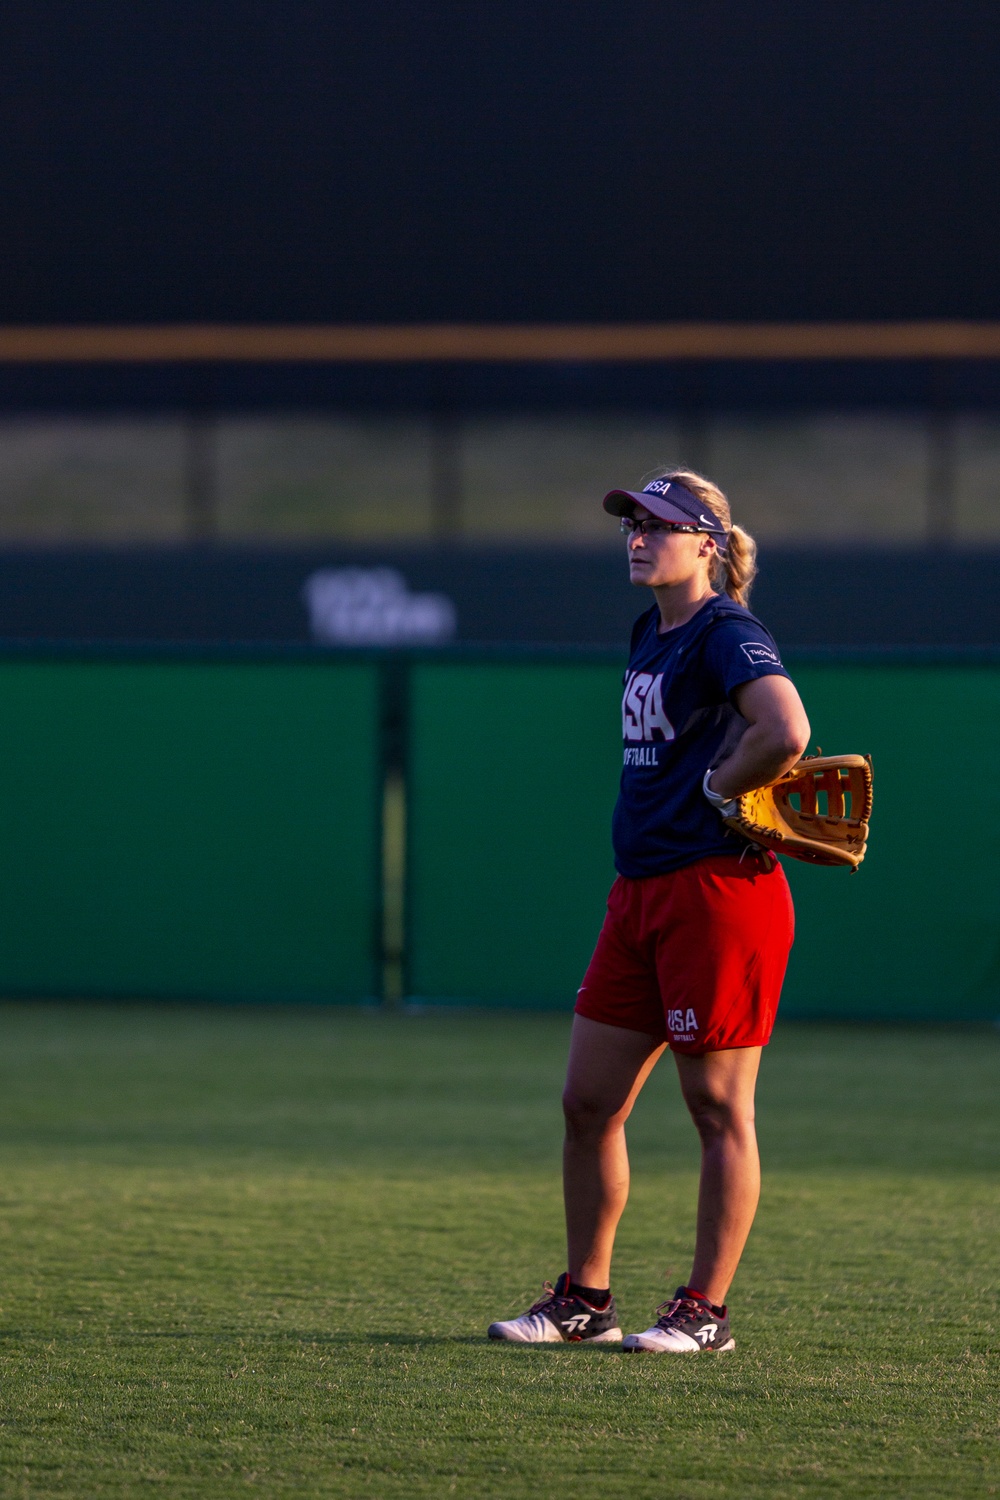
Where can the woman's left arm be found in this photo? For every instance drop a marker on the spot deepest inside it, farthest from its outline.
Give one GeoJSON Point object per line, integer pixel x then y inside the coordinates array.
{"type": "Point", "coordinates": [777, 734]}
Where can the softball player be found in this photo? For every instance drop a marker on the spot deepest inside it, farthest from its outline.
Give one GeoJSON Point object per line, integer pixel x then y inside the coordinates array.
{"type": "Point", "coordinates": [695, 942]}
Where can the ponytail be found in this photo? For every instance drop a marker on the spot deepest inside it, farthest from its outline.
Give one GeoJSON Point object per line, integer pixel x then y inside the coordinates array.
{"type": "Point", "coordinates": [733, 570]}
{"type": "Point", "coordinates": [738, 564]}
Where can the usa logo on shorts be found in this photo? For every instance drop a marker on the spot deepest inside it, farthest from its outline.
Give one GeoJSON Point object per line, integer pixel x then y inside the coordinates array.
{"type": "Point", "coordinates": [679, 1020]}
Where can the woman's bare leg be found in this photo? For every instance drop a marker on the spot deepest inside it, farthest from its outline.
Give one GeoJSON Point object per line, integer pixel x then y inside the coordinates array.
{"type": "Point", "coordinates": [608, 1066]}
{"type": "Point", "coordinates": [718, 1089]}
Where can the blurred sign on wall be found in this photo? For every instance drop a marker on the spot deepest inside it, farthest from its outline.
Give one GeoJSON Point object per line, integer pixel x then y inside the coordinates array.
{"type": "Point", "coordinates": [374, 607]}
{"type": "Point", "coordinates": [557, 594]}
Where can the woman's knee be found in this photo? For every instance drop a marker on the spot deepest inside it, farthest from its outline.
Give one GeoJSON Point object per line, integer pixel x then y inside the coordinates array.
{"type": "Point", "coordinates": [716, 1116]}
{"type": "Point", "coordinates": [589, 1114]}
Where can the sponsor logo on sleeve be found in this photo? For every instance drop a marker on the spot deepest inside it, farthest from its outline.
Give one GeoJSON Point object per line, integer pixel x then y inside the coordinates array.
{"type": "Point", "coordinates": [758, 651]}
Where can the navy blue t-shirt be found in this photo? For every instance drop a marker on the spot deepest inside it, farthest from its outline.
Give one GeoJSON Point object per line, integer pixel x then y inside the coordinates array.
{"type": "Point", "coordinates": [678, 719]}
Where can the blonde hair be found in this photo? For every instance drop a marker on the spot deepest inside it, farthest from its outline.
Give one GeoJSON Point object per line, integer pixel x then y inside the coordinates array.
{"type": "Point", "coordinates": [734, 567]}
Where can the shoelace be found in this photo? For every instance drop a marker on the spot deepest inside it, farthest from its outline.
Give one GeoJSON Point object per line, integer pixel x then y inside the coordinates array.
{"type": "Point", "coordinates": [674, 1310]}
{"type": "Point", "coordinates": [548, 1299]}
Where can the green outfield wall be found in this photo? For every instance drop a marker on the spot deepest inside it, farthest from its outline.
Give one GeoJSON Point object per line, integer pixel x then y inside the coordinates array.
{"type": "Point", "coordinates": [189, 829]}
{"type": "Point", "coordinates": [916, 932]}
{"type": "Point", "coordinates": [513, 776]}
{"type": "Point", "coordinates": [210, 828]}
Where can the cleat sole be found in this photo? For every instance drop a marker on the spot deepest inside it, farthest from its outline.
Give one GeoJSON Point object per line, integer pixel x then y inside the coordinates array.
{"type": "Point", "coordinates": [634, 1345]}
{"type": "Point", "coordinates": [609, 1336]}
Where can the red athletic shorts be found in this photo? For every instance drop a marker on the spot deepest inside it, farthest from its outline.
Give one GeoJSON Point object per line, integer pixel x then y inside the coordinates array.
{"type": "Point", "coordinates": [696, 957]}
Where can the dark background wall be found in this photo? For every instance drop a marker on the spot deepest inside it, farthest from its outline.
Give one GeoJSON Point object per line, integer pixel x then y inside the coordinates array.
{"type": "Point", "coordinates": [565, 596]}
{"type": "Point", "coordinates": [255, 160]}
{"type": "Point", "coordinates": [643, 160]}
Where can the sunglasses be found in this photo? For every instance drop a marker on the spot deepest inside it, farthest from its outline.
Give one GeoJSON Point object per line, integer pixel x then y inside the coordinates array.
{"type": "Point", "coordinates": [652, 527]}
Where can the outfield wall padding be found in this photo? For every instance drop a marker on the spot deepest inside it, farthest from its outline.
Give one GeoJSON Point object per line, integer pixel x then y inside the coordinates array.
{"type": "Point", "coordinates": [513, 773]}
{"type": "Point", "coordinates": [916, 932]}
{"type": "Point", "coordinates": [209, 829]}
{"type": "Point", "coordinates": [203, 829]}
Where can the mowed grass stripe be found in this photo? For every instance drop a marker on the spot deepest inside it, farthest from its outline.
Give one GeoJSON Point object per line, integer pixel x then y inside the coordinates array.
{"type": "Point", "coordinates": [256, 1251]}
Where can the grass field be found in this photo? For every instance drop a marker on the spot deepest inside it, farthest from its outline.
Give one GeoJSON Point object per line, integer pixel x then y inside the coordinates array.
{"type": "Point", "coordinates": [255, 1252]}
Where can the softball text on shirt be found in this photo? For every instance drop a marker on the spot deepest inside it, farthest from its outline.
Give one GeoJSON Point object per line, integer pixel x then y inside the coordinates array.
{"type": "Point", "coordinates": [678, 718]}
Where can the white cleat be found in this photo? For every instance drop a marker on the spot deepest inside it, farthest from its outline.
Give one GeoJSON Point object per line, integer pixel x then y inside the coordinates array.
{"type": "Point", "coordinates": [687, 1325]}
{"type": "Point", "coordinates": [530, 1328]}
{"type": "Point", "coordinates": [559, 1318]}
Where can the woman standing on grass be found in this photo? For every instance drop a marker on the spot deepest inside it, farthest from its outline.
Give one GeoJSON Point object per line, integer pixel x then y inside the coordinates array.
{"type": "Point", "coordinates": [694, 946]}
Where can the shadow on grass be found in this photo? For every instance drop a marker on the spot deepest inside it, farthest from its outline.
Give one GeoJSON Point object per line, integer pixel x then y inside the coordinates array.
{"type": "Point", "coordinates": [370, 1339]}
{"type": "Point", "coordinates": [408, 1341]}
